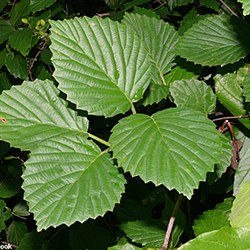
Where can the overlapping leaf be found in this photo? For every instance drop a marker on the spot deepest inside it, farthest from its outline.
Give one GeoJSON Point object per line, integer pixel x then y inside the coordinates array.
{"type": "Point", "coordinates": [193, 94]}
{"type": "Point", "coordinates": [67, 178]}
{"type": "Point", "coordinates": [36, 5]}
{"type": "Point", "coordinates": [33, 113]}
{"type": "Point", "coordinates": [246, 89]}
{"type": "Point", "coordinates": [240, 216]}
{"type": "Point", "coordinates": [215, 41]}
{"type": "Point", "coordinates": [159, 39]}
{"type": "Point", "coordinates": [101, 65]}
{"type": "Point", "coordinates": [226, 238]}
{"type": "Point", "coordinates": [169, 148]}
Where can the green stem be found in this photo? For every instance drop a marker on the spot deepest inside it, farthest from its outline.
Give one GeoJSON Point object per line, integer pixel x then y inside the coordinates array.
{"type": "Point", "coordinates": [99, 140]}
{"type": "Point", "coordinates": [133, 109]}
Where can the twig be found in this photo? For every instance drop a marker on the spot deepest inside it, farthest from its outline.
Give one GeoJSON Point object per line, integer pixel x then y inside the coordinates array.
{"type": "Point", "coordinates": [66, 11]}
{"type": "Point", "coordinates": [229, 8]}
{"type": "Point", "coordinates": [36, 56]}
{"type": "Point", "coordinates": [230, 117]}
{"type": "Point", "coordinates": [103, 15]}
{"type": "Point", "coordinates": [171, 222]}
{"type": "Point", "coordinates": [7, 243]}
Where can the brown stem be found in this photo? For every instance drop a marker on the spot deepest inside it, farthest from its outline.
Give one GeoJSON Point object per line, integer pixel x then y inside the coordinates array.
{"type": "Point", "coordinates": [171, 222]}
{"type": "Point", "coordinates": [7, 243]}
{"type": "Point", "coordinates": [230, 117]}
{"type": "Point", "coordinates": [229, 8]}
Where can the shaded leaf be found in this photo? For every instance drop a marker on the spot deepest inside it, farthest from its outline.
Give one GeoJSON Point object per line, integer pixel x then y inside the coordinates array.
{"type": "Point", "coordinates": [16, 231]}
{"type": "Point", "coordinates": [19, 11]}
{"type": "Point", "coordinates": [193, 94]}
{"type": "Point", "coordinates": [6, 30]}
{"type": "Point", "coordinates": [159, 38]}
{"type": "Point", "coordinates": [226, 205]}
{"type": "Point", "coordinates": [141, 232]}
{"type": "Point", "coordinates": [215, 41]}
{"type": "Point", "coordinates": [101, 65]}
{"type": "Point", "coordinates": [246, 87]}
{"type": "Point", "coordinates": [10, 187]}
{"type": "Point", "coordinates": [213, 4]}
{"type": "Point", "coordinates": [226, 238]}
{"type": "Point", "coordinates": [124, 245]}
{"type": "Point", "coordinates": [175, 3]}
{"type": "Point", "coordinates": [4, 82]}
{"type": "Point", "coordinates": [147, 12]}
{"type": "Point", "coordinates": [17, 66]}
{"type": "Point", "coordinates": [21, 209]}
{"type": "Point", "coordinates": [37, 5]}
{"type": "Point", "coordinates": [21, 39]}
{"type": "Point", "coordinates": [2, 57]}
{"type": "Point", "coordinates": [209, 221]}
{"type": "Point", "coordinates": [170, 141]}
{"type": "Point", "coordinates": [240, 216]}
{"type": "Point", "coordinates": [3, 3]}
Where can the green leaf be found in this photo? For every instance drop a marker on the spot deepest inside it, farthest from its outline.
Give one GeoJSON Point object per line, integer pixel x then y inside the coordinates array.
{"type": "Point", "coordinates": [17, 66]}
{"type": "Point", "coordinates": [10, 187]}
{"type": "Point", "coordinates": [35, 113]}
{"type": "Point", "coordinates": [141, 232]}
{"type": "Point", "coordinates": [19, 11]}
{"type": "Point", "coordinates": [147, 12]}
{"type": "Point", "coordinates": [175, 3]}
{"type": "Point", "coordinates": [21, 209]}
{"type": "Point", "coordinates": [124, 245]}
{"type": "Point", "coordinates": [37, 5]}
{"type": "Point", "coordinates": [193, 94]}
{"type": "Point", "coordinates": [89, 235]}
{"type": "Point", "coordinates": [69, 179]}
{"type": "Point", "coordinates": [225, 161]}
{"type": "Point", "coordinates": [4, 82]}
{"type": "Point", "coordinates": [215, 41]}
{"type": "Point", "coordinates": [213, 4]}
{"type": "Point", "coordinates": [3, 3]}
{"type": "Point", "coordinates": [243, 170]}
{"type": "Point", "coordinates": [46, 56]}
{"type": "Point", "coordinates": [16, 231]}
{"type": "Point", "coordinates": [245, 6]}
{"type": "Point", "coordinates": [240, 216]}
{"type": "Point", "coordinates": [101, 65]}
{"type": "Point", "coordinates": [226, 205]}
{"type": "Point", "coordinates": [170, 141]}
{"type": "Point", "coordinates": [2, 57]}
{"type": "Point", "coordinates": [246, 87]}
{"type": "Point", "coordinates": [226, 238]}
{"type": "Point", "coordinates": [209, 221]}
{"type": "Point", "coordinates": [6, 30]}
{"type": "Point", "coordinates": [159, 39]}
{"type": "Point", "coordinates": [155, 93]}
{"type": "Point", "coordinates": [21, 39]}
{"type": "Point", "coordinates": [229, 94]}
{"type": "Point", "coordinates": [34, 240]}
{"type": "Point", "coordinates": [133, 3]}
{"type": "Point", "coordinates": [2, 219]}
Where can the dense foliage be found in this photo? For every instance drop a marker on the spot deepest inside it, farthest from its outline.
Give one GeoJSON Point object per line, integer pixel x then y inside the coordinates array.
{"type": "Point", "coordinates": [124, 124]}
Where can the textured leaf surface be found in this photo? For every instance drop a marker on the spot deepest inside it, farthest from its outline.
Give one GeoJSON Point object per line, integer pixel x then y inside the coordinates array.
{"type": "Point", "coordinates": [33, 113]}
{"type": "Point", "coordinates": [240, 216]}
{"type": "Point", "coordinates": [19, 11]}
{"type": "Point", "coordinates": [175, 3]}
{"type": "Point", "coordinates": [243, 170]}
{"type": "Point", "coordinates": [168, 148]}
{"type": "Point", "coordinates": [226, 238]}
{"type": "Point", "coordinates": [6, 30]}
{"type": "Point", "coordinates": [245, 6]}
{"type": "Point", "coordinates": [215, 41]}
{"type": "Point", "coordinates": [10, 187]}
{"type": "Point", "coordinates": [144, 233]}
{"type": "Point", "coordinates": [159, 39]}
{"type": "Point", "coordinates": [20, 40]}
{"type": "Point", "coordinates": [209, 221]}
{"type": "Point", "coordinates": [230, 93]}
{"type": "Point", "coordinates": [16, 231]}
{"type": "Point", "coordinates": [193, 94]}
{"type": "Point", "coordinates": [101, 65]}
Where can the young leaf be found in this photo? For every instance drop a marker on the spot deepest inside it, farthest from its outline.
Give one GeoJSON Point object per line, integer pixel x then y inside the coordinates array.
{"type": "Point", "coordinates": [240, 216]}
{"type": "Point", "coordinates": [226, 238]}
{"type": "Point", "coordinates": [215, 41]}
{"type": "Point", "coordinates": [209, 221]}
{"type": "Point", "coordinates": [69, 179]}
{"type": "Point", "coordinates": [159, 39]}
{"type": "Point", "coordinates": [169, 148]}
{"type": "Point", "coordinates": [33, 112]}
{"type": "Point", "coordinates": [193, 94]}
{"type": "Point", "coordinates": [21, 39]}
{"type": "Point", "coordinates": [101, 65]}
{"type": "Point", "coordinates": [246, 6]}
